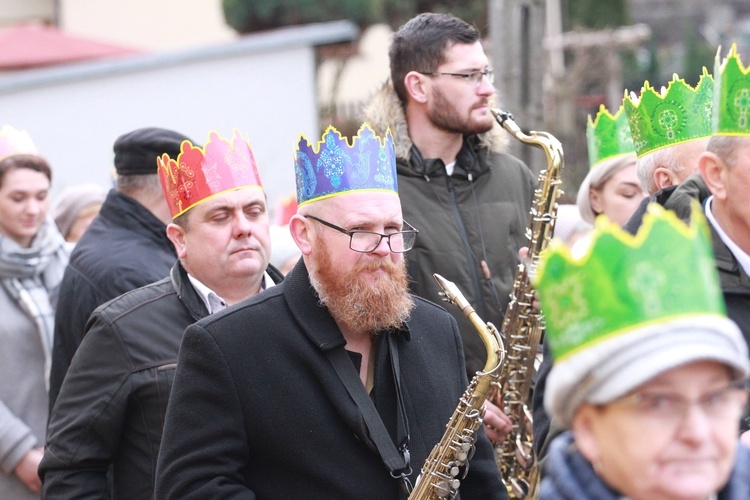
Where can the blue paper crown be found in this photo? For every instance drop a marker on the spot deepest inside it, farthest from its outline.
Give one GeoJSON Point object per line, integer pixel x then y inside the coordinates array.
{"type": "Point", "coordinates": [332, 167]}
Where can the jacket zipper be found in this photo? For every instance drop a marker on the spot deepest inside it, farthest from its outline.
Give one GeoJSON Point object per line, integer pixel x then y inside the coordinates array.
{"type": "Point", "coordinates": [479, 306]}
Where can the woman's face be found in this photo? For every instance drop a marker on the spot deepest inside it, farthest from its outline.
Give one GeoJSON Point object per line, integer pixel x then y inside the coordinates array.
{"type": "Point", "coordinates": [24, 203]}
{"type": "Point", "coordinates": [674, 437]}
{"type": "Point", "coordinates": [619, 197]}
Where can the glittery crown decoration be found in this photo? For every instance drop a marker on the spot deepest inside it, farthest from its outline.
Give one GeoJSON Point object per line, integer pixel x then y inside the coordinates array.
{"type": "Point", "coordinates": [332, 166]}
{"type": "Point", "coordinates": [199, 173]}
{"type": "Point", "coordinates": [731, 95]}
{"type": "Point", "coordinates": [608, 136]}
{"type": "Point", "coordinates": [624, 282]}
{"type": "Point", "coordinates": [679, 113]}
{"type": "Point", "coordinates": [15, 142]}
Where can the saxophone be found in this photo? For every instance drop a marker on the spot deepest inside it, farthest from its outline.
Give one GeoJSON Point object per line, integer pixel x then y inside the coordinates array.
{"type": "Point", "coordinates": [439, 477]}
{"type": "Point", "coordinates": [523, 325]}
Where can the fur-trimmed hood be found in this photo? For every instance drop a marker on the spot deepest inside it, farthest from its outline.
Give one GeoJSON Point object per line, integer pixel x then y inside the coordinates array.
{"type": "Point", "coordinates": [384, 110]}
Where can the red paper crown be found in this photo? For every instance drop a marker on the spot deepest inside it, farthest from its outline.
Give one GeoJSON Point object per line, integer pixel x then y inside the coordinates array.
{"type": "Point", "coordinates": [200, 173]}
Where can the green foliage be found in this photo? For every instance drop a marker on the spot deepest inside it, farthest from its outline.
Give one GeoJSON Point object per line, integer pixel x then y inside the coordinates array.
{"type": "Point", "coordinates": [246, 16]}
{"type": "Point", "coordinates": [698, 53]}
{"type": "Point", "coordinates": [597, 14]}
{"type": "Point", "coordinates": [397, 12]}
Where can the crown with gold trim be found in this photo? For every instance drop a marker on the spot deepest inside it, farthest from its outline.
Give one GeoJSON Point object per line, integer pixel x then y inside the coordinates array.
{"type": "Point", "coordinates": [625, 282]}
{"type": "Point", "coordinates": [608, 135]}
{"type": "Point", "coordinates": [199, 173]}
{"type": "Point", "coordinates": [15, 142]}
{"type": "Point", "coordinates": [679, 113]}
{"type": "Point", "coordinates": [731, 95]}
{"type": "Point", "coordinates": [333, 166]}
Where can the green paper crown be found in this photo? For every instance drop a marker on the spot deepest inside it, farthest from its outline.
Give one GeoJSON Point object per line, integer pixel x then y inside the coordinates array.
{"type": "Point", "coordinates": [678, 114]}
{"type": "Point", "coordinates": [608, 136]}
{"type": "Point", "coordinates": [624, 282]}
{"type": "Point", "coordinates": [731, 95]}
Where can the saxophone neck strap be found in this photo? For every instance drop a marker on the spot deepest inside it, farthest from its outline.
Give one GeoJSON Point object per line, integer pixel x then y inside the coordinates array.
{"type": "Point", "coordinates": [396, 460]}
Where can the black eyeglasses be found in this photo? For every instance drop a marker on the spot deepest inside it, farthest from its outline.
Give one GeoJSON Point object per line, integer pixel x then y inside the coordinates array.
{"type": "Point", "coordinates": [368, 241]}
{"type": "Point", "coordinates": [475, 77]}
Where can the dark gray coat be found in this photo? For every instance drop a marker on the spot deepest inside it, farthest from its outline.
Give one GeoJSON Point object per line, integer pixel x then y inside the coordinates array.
{"type": "Point", "coordinates": [258, 411]}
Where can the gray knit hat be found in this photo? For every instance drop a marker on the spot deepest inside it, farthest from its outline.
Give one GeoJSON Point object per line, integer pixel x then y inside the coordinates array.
{"type": "Point", "coordinates": [72, 201]}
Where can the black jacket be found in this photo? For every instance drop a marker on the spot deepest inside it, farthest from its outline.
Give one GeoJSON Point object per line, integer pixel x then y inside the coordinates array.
{"type": "Point", "coordinates": [478, 214]}
{"type": "Point", "coordinates": [111, 406]}
{"type": "Point", "coordinates": [124, 248]}
{"type": "Point", "coordinates": [258, 411]}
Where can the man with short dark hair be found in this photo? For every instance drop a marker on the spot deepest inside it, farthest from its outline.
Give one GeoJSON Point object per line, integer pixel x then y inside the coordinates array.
{"type": "Point", "coordinates": [469, 198]}
{"type": "Point", "coordinates": [125, 247]}
{"type": "Point", "coordinates": [111, 406]}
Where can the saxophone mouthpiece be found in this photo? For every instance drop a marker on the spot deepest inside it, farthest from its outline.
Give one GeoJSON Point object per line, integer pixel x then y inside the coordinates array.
{"type": "Point", "coordinates": [501, 116]}
{"type": "Point", "coordinates": [451, 292]}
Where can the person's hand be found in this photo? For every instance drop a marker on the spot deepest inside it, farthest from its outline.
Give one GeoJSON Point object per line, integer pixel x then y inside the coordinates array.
{"type": "Point", "coordinates": [497, 425]}
{"type": "Point", "coordinates": [27, 469]}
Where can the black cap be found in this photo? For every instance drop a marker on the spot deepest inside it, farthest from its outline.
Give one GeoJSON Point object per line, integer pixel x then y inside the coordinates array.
{"type": "Point", "coordinates": [136, 152]}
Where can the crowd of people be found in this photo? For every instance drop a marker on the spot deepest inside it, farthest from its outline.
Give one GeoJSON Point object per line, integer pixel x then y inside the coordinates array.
{"type": "Point", "coordinates": [166, 339]}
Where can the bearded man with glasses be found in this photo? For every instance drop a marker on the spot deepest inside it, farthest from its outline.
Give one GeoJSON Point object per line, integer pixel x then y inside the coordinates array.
{"type": "Point", "coordinates": [468, 197]}
{"type": "Point", "coordinates": [337, 384]}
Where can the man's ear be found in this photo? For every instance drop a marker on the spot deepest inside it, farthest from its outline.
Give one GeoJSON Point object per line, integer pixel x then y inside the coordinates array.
{"type": "Point", "coordinates": [177, 236]}
{"type": "Point", "coordinates": [415, 86]}
{"type": "Point", "coordinates": [664, 177]}
{"type": "Point", "coordinates": [713, 170]}
{"type": "Point", "coordinates": [301, 229]}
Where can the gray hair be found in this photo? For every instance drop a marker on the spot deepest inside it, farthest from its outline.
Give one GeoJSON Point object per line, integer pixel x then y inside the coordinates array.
{"type": "Point", "coordinates": [725, 147]}
{"type": "Point", "coordinates": [140, 184]}
{"type": "Point", "coordinates": [648, 163]}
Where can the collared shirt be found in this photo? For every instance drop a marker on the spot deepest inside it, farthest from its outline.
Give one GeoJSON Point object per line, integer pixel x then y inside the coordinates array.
{"type": "Point", "coordinates": [742, 257]}
{"type": "Point", "coordinates": [211, 299]}
{"type": "Point", "coordinates": [450, 167]}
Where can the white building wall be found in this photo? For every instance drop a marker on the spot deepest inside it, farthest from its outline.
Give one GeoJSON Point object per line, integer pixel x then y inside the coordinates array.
{"type": "Point", "coordinates": [17, 11]}
{"type": "Point", "coordinates": [153, 25]}
{"type": "Point", "coordinates": [75, 113]}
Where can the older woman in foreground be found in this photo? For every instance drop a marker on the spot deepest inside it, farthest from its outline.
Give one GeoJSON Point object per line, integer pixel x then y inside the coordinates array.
{"type": "Point", "coordinates": [648, 374]}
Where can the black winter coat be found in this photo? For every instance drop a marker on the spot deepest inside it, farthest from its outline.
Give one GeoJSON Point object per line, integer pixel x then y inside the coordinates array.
{"type": "Point", "coordinates": [111, 406]}
{"type": "Point", "coordinates": [124, 248]}
{"type": "Point", "coordinates": [258, 411]}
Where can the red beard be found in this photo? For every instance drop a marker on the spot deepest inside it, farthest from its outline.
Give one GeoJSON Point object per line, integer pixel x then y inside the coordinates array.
{"type": "Point", "coordinates": [362, 303]}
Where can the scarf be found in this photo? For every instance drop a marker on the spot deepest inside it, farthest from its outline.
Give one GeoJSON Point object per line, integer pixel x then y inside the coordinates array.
{"type": "Point", "coordinates": [569, 476]}
{"type": "Point", "coordinates": [32, 277]}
